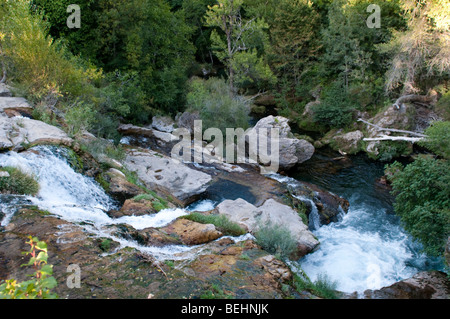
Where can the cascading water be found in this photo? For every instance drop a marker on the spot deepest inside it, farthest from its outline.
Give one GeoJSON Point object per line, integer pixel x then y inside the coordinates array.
{"type": "Point", "coordinates": [79, 199]}
{"type": "Point", "coordinates": [367, 248]}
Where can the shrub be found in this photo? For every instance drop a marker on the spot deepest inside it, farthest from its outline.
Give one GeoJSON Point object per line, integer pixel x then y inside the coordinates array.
{"type": "Point", "coordinates": [423, 199]}
{"type": "Point", "coordinates": [222, 223]}
{"type": "Point", "coordinates": [216, 104]}
{"type": "Point", "coordinates": [79, 117]}
{"type": "Point", "coordinates": [41, 64]}
{"type": "Point", "coordinates": [276, 239]}
{"type": "Point", "coordinates": [18, 182]}
{"type": "Point", "coordinates": [335, 109]}
{"type": "Point", "coordinates": [43, 281]}
{"type": "Point", "coordinates": [438, 138]}
{"type": "Point", "coordinates": [323, 287]}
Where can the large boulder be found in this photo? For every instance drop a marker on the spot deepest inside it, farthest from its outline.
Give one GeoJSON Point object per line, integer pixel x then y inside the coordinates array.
{"type": "Point", "coordinates": [18, 132]}
{"type": "Point", "coordinates": [423, 285]}
{"type": "Point", "coordinates": [13, 106]}
{"type": "Point", "coordinates": [163, 124]}
{"type": "Point", "coordinates": [186, 120]}
{"type": "Point", "coordinates": [166, 175]}
{"type": "Point", "coordinates": [391, 118]}
{"type": "Point", "coordinates": [292, 151]}
{"type": "Point", "coordinates": [270, 213]}
{"type": "Point", "coordinates": [148, 137]}
{"type": "Point", "coordinates": [5, 90]}
{"type": "Point", "coordinates": [119, 187]}
{"type": "Point", "coordinates": [347, 143]}
{"type": "Point", "coordinates": [192, 233]}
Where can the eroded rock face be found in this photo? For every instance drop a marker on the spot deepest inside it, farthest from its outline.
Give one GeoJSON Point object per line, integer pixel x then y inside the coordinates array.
{"type": "Point", "coordinates": [5, 90]}
{"type": "Point", "coordinates": [17, 132]}
{"type": "Point", "coordinates": [424, 285]}
{"type": "Point", "coordinates": [167, 175]}
{"type": "Point", "coordinates": [119, 186]}
{"type": "Point", "coordinates": [292, 151]}
{"type": "Point", "coordinates": [128, 273]}
{"type": "Point", "coordinates": [270, 213]}
{"type": "Point", "coordinates": [163, 124]}
{"type": "Point", "coordinates": [13, 106]}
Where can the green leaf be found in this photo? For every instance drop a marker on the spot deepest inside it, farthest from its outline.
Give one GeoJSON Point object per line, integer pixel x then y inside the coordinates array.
{"type": "Point", "coordinates": [47, 270]}
{"type": "Point", "coordinates": [49, 283]}
{"type": "Point", "coordinates": [30, 262]}
{"type": "Point", "coordinates": [42, 256]}
{"type": "Point", "coordinates": [42, 246]}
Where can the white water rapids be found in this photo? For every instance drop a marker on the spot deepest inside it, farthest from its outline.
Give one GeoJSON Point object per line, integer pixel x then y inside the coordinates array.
{"type": "Point", "coordinates": [79, 199]}
{"type": "Point", "coordinates": [367, 248]}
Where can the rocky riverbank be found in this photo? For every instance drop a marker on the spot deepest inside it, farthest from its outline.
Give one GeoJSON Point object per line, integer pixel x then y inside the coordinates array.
{"type": "Point", "coordinates": [147, 182]}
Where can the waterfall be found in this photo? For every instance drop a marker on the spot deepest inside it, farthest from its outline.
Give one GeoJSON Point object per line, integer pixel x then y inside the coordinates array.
{"type": "Point", "coordinates": [81, 200]}
{"type": "Point", "coordinates": [313, 218]}
{"type": "Point", "coordinates": [367, 248]}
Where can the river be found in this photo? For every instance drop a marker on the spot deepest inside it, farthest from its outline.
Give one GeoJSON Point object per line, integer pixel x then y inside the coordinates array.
{"type": "Point", "coordinates": [367, 248]}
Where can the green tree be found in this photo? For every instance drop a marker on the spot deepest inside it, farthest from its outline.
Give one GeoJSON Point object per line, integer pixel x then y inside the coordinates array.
{"type": "Point", "coordinates": [146, 37]}
{"type": "Point", "coordinates": [294, 38]}
{"type": "Point", "coordinates": [438, 138]}
{"type": "Point", "coordinates": [216, 106]}
{"type": "Point", "coordinates": [422, 200]}
{"type": "Point", "coordinates": [79, 41]}
{"type": "Point", "coordinates": [421, 53]}
{"type": "Point", "coordinates": [236, 44]}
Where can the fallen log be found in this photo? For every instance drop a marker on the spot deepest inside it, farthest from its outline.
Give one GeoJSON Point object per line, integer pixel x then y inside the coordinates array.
{"type": "Point", "coordinates": [379, 128]}
{"type": "Point", "coordinates": [394, 138]}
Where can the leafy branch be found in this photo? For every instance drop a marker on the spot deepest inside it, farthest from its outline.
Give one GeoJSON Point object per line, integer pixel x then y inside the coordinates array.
{"type": "Point", "coordinates": [42, 282]}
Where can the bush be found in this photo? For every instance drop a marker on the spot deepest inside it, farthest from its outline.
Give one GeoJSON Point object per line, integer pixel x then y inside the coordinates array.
{"type": "Point", "coordinates": [222, 223]}
{"type": "Point", "coordinates": [423, 199]}
{"type": "Point", "coordinates": [322, 287]}
{"type": "Point", "coordinates": [17, 182]}
{"type": "Point", "coordinates": [217, 106]}
{"type": "Point", "coordinates": [438, 139]}
{"type": "Point", "coordinates": [276, 240]}
{"type": "Point", "coordinates": [41, 64]}
{"type": "Point", "coordinates": [335, 109]}
{"type": "Point", "coordinates": [43, 281]}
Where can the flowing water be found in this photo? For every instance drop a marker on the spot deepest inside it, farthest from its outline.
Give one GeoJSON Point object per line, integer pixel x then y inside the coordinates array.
{"type": "Point", "coordinates": [367, 248]}
{"type": "Point", "coordinates": [79, 199]}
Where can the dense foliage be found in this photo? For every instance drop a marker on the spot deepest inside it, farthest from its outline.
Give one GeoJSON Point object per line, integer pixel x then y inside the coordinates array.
{"type": "Point", "coordinates": [133, 59]}
{"type": "Point", "coordinates": [422, 191]}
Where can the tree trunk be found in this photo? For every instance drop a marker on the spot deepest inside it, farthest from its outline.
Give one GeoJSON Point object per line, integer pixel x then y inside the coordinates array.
{"type": "Point", "coordinates": [411, 98]}
{"type": "Point", "coordinates": [4, 73]}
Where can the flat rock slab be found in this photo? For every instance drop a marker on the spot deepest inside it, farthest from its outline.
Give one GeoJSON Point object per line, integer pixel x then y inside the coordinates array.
{"type": "Point", "coordinates": [14, 103]}
{"type": "Point", "coordinates": [18, 132]}
{"type": "Point", "coordinates": [167, 175]}
{"type": "Point", "coordinates": [270, 213]}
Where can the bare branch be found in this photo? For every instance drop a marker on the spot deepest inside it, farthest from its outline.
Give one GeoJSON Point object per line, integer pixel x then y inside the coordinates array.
{"type": "Point", "coordinates": [394, 138]}
{"type": "Point", "coordinates": [379, 128]}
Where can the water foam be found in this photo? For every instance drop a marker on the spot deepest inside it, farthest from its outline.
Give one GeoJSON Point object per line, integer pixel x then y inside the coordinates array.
{"type": "Point", "coordinates": [79, 199]}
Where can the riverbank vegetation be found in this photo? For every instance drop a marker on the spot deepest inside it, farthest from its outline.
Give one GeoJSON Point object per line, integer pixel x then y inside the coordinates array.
{"type": "Point", "coordinates": [321, 63]}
